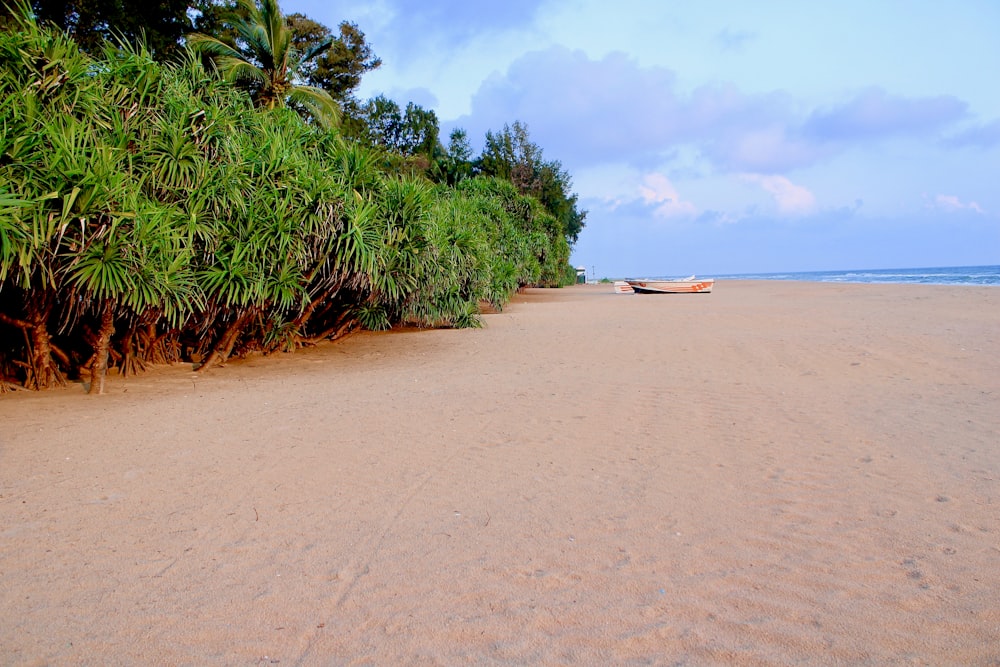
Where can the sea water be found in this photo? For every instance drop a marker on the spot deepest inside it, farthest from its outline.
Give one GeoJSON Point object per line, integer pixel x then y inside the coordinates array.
{"type": "Point", "coordinates": [950, 275]}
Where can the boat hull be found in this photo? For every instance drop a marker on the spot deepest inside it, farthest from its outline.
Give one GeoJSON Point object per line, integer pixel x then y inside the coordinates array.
{"type": "Point", "coordinates": [672, 286]}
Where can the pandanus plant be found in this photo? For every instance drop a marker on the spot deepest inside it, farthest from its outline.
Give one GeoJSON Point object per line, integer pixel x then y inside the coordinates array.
{"type": "Point", "coordinates": [41, 75]}
{"type": "Point", "coordinates": [91, 246]}
{"type": "Point", "coordinates": [55, 157]}
{"type": "Point", "coordinates": [150, 213]}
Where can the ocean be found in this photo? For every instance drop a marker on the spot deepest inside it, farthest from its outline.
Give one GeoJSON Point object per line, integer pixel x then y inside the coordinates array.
{"type": "Point", "coordinates": [950, 275]}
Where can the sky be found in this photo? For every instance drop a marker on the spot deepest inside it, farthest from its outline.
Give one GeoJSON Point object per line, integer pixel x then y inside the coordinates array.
{"type": "Point", "coordinates": [722, 136]}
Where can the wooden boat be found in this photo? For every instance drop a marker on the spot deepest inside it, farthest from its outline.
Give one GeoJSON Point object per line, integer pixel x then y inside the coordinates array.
{"type": "Point", "coordinates": [689, 285]}
{"type": "Point", "coordinates": [622, 287]}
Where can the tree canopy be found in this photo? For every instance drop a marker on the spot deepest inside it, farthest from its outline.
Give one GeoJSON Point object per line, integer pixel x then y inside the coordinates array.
{"type": "Point", "coordinates": [338, 70]}
{"type": "Point", "coordinates": [511, 154]}
{"type": "Point", "coordinates": [261, 55]}
{"type": "Point", "coordinates": [160, 25]}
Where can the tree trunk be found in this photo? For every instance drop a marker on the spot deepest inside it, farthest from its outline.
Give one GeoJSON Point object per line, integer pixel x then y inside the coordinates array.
{"type": "Point", "coordinates": [342, 326]}
{"type": "Point", "coordinates": [42, 371]}
{"type": "Point", "coordinates": [154, 347]}
{"type": "Point", "coordinates": [99, 363]}
{"type": "Point", "coordinates": [308, 311]}
{"type": "Point", "coordinates": [224, 346]}
{"type": "Point", "coordinates": [133, 361]}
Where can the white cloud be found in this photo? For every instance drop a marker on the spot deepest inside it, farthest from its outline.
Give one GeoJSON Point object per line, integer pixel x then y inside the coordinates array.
{"type": "Point", "coordinates": [657, 190]}
{"type": "Point", "coordinates": [619, 186]}
{"type": "Point", "coordinates": [953, 203]}
{"type": "Point", "coordinates": [791, 199]}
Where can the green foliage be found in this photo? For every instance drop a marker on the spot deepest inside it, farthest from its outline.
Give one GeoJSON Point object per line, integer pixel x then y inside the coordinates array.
{"type": "Point", "coordinates": [156, 211]}
{"type": "Point", "coordinates": [374, 316]}
{"type": "Point", "coordinates": [457, 161]}
{"type": "Point", "coordinates": [409, 133]}
{"type": "Point", "coordinates": [339, 68]}
{"type": "Point", "coordinates": [510, 154]}
{"type": "Point", "coordinates": [260, 54]}
{"type": "Point", "coordinates": [92, 23]}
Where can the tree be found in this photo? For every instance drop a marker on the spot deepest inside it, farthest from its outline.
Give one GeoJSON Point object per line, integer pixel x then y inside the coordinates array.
{"type": "Point", "coordinates": [338, 70]}
{"type": "Point", "coordinates": [212, 17]}
{"type": "Point", "coordinates": [458, 158]}
{"type": "Point", "coordinates": [384, 122]}
{"type": "Point", "coordinates": [421, 131]}
{"type": "Point", "coordinates": [409, 133]}
{"type": "Point", "coordinates": [510, 154]}
{"type": "Point", "coordinates": [554, 192]}
{"type": "Point", "coordinates": [263, 57]}
{"type": "Point", "coordinates": [90, 23]}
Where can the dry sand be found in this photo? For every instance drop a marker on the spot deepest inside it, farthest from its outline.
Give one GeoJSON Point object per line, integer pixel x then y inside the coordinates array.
{"type": "Point", "coordinates": [774, 473]}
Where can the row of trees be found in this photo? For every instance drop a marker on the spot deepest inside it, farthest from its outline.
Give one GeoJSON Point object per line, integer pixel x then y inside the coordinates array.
{"type": "Point", "coordinates": [163, 25]}
{"type": "Point", "coordinates": [154, 212]}
{"type": "Point", "coordinates": [295, 53]}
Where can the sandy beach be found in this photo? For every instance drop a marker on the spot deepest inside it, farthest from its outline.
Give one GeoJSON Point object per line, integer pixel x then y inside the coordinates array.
{"type": "Point", "coordinates": [774, 473]}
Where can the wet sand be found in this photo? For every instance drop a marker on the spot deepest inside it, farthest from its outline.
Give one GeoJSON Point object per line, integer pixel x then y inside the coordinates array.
{"type": "Point", "coordinates": [773, 473]}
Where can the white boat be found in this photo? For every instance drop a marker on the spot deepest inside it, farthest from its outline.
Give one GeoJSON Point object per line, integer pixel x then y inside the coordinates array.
{"type": "Point", "coordinates": [689, 285]}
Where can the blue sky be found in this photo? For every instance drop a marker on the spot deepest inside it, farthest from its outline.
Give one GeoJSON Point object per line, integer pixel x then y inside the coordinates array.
{"type": "Point", "coordinates": [723, 137]}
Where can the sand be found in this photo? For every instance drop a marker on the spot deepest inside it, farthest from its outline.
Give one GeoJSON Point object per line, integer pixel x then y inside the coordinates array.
{"type": "Point", "coordinates": [774, 473]}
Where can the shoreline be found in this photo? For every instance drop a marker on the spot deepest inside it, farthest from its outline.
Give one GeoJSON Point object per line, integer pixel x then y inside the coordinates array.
{"type": "Point", "coordinates": [183, 371]}
{"type": "Point", "coordinates": [974, 275]}
{"type": "Point", "coordinates": [777, 471]}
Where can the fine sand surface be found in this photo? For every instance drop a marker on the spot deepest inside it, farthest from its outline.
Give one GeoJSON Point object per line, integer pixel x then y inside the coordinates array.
{"type": "Point", "coordinates": [774, 473]}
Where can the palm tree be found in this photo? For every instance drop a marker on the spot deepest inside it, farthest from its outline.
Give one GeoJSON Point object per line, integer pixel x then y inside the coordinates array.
{"type": "Point", "coordinates": [263, 58]}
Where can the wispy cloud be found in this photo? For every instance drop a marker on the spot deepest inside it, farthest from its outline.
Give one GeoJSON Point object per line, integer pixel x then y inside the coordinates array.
{"type": "Point", "coordinates": [986, 135]}
{"type": "Point", "coordinates": [876, 113]}
{"type": "Point", "coordinates": [953, 203]}
{"type": "Point", "coordinates": [790, 199]}
{"type": "Point", "coordinates": [657, 190]}
{"type": "Point", "coordinates": [588, 111]}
